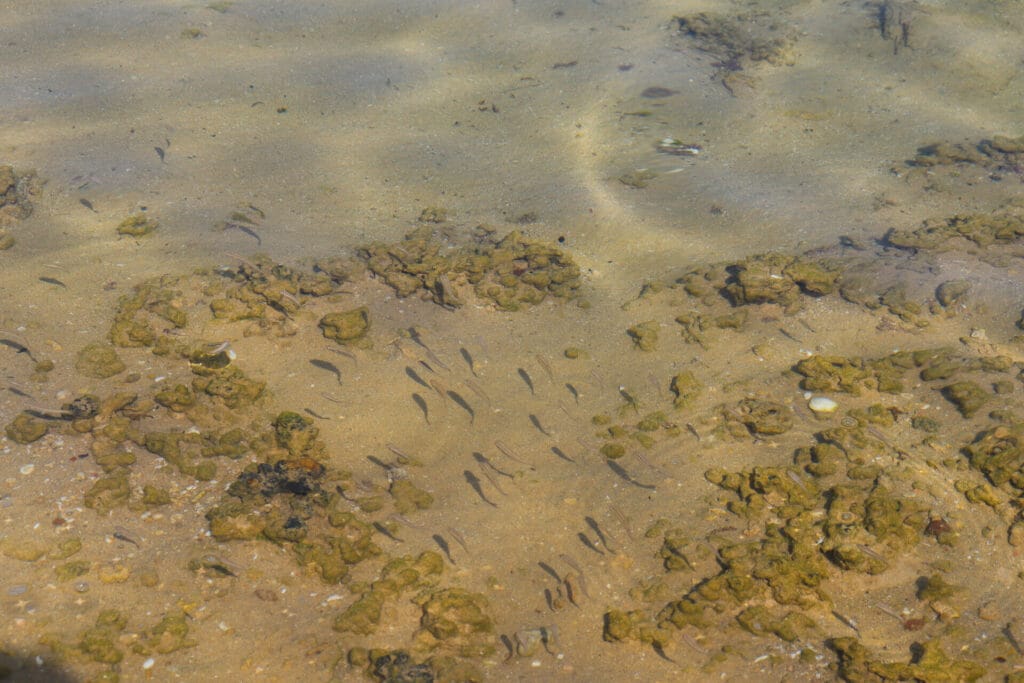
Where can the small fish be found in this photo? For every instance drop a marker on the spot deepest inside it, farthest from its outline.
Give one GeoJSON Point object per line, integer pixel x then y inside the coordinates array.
{"type": "Point", "coordinates": [316, 415]}
{"type": "Point", "coordinates": [492, 480]}
{"type": "Point", "coordinates": [630, 400]}
{"type": "Point", "coordinates": [592, 523]}
{"type": "Point", "coordinates": [693, 430]}
{"type": "Point", "coordinates": [415, 335]}
{"type": "Point", "coordinates": [18, 392]}
{"type": "Point", "coordinates": [415, 377]}
{"type": "Point", "coordinates": [585, 540]}
{"type": "Point", "coordinates": [561, 454]}
{"type": "Point", "coordinates": [461, 402]}
{"type": "Point", "coordinates": [570, 592]}
{"type": "Point", "coordinates": [579, 572]}
{"type": "Point", "coordinates": [384, 531]}
{"type": "Point", "coordinates": [247, 230]}
{"type": "Point", "coordinates": [482, 460]}
{"type": "Point", "coordinates": [348, 354]}
{"type": "Point", "coordinates": [526, 378]}
{"type": "Point", "coordinates": [474, 481]}
{"type": "Point", "coordinates": [123, 535]}
{"type": "Point", "coordinates": [459, 538]}
{"type": "Point", "coordinates": [403, 457]}
{"type": "Point", "coordinates": [618, 469]}
{"type": "Point", "coordinates": [550, 571]}
{"type": "Point", "coordinates": [332, 399]}
{"type": "Point", "coordinates": [402, 519]}
{"type": "Point", "coordinates": [478, 390]}
{"type": "Point", "coordinates": [160, 153]}
{"type": "Point", "coordinates": [52, 281]}
{"type": "Point", "coordinates": [18, 347]}
{"type": "Point", "coordinates": [469, 360]}
{"type": "Point", "coordinates": [326, 365]}
{"type": "Point", "coordinates": [574, 392]}
{"type": "Point", "coordinates": [87, 204]}
{"type": "Point", "coordinates": [439, 386]}
{"type": "Point", "coordinates": [443, 545]}
{"type": "Point", "coordinates": [535, 421]}
{"type": "Point", "coordinates": [846, 620]}
{"type": "Point", "coordinates": [623, 520]}
{"type": "Point", "coordinates": [509, 453]}
{"type": "Point", "coordinates": [543, 363]}
{"type": "Point", "coordinates": [422, 403]}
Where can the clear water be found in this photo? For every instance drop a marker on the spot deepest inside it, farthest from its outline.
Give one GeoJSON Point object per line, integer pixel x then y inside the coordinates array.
{"type": "Point", "coordinates": [341, 122]}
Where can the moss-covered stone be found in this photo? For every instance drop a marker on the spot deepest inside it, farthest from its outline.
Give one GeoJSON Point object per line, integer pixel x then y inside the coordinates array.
{"type": "Point", "coordinates": [686, 388]}
{"type": "Point", "coordinates": [99, 361]}
{"type": "Point", "coordinates": [968, 397]}
{"type": "Point", "coordinates": [645, 335]}
{"type": "Point", "coordinates": [347, 327]}
{"type": "Point", "coordinates": [25, 429]}
{"type": "Point", "coordinates": [137, 225]}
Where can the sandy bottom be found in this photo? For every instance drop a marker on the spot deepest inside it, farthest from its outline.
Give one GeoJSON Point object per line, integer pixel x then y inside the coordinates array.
{"type": "Point", "coordinates": [604, 505]}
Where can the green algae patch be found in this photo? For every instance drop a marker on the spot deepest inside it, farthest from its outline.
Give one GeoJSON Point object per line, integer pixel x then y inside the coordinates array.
{"type": "Point", "coordinates": [25, 429]}
{"type": "Point", "coordinates": [686, 388]}
{"type": "Point", "coordinates": [168, 635]}
{"type": "Point", "coordinates": [455, 621]}
{"type": "Point", "coordinates": [760, 417]}
{"type": "Point", "coordinates": [943, 234]}
{"type": "Point", "coordinates": [929, 662]}
{"type": "Point", "coordinates": [968, 397]}
{"type": "Point", "coordinates": [137, 225]}
{"type": "Point", "coordinates": [100, 642]}
{"type": "Point", "coordinates": [23, 550]}
{"type": "Point", "coordinates": [99, 361]}
{"type": "Point", "coordinates": [108, 493]}
{"type": "Point", "coordinates": [347, 327]}
{"type": "Point", "coordinates": [511, 272]}
{"type": "Point", "coordinates": [72, 570]}
{"type": "Point", "coordinates": [644, 335]}
{"type": "Point", "coordinates": [408, 497]}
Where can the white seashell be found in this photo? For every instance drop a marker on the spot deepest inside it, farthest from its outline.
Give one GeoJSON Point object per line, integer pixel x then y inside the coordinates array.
{"type": "Point", "coordinates": [823, 405]}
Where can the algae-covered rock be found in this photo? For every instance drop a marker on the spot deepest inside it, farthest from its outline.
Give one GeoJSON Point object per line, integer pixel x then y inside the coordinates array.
{"type": "Point", "coordinates": [179, 398]}
{"type": "Point", "coordinates": [832, 373]}
{"type": "Point", "coordinates": [935, 587]}
{"type": "Point", "coordinates": [98, 360]}
{"type": "Point", "coordinates": [968, 397]}
{"type": "Point", "coordinates": [760, 280]}
{"type": "Point", "coordinates": [137, 225]}
{"type": "Point", "coordinates": [645, 335]}
{"type": "Point", "coordinates": [26, 429]}
{"type": "Point", "coordinates": [456, 620]}
{"type": "Point", "coordinates": [686, 388]}
{"type": "Point", "coordinates": [108, 493]}
{"type": "Point", "coordinates": [790, 626]}
{"type": "Point", "coordinates": [951, 292]}
{"type": "Point", "coordinates": [763, 418]}
{"type": "Point", "coordinates": [408, 497]}
{"type": "Point", "coordinates": [101, 641]}
{"type": "Point", "coordinates": [347, 327]}
{"type": "Point", "coordinates": [228, 384]}
{"type": "Point", "coordinates": [168, 635]}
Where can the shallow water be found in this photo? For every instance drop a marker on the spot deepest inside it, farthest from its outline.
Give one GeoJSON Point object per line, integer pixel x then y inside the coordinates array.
{"type": "Point", "coordinates": [336, 125]}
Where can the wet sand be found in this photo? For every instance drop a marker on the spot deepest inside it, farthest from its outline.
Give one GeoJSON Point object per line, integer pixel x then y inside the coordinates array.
{"type": "Point", "coordinates": [341, 125]}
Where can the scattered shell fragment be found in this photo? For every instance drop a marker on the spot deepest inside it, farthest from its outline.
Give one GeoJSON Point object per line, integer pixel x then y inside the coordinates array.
{"type": "Point", "coordinates": [822, 405]}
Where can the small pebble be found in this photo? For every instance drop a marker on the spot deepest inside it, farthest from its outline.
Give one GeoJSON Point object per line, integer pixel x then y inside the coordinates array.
{"type": "Point", "coordinates": [81, 586]}
{"type": "Point", "coordinates": [27, 469]}
{"type": "Point", "coordinates": [148, 664]}
{"type": "Point", "coordinates": [822, 405]}
{"type": "Point", "coordinates": [17, 589]}
{"type": "Point", "coordinates": [6, 502]}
